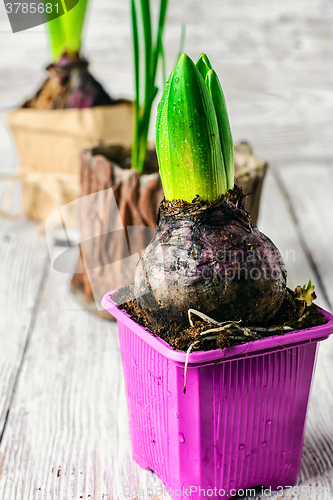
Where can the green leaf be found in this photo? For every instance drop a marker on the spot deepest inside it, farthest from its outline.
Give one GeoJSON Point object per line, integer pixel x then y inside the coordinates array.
{"type": "Point", "coordinates": [213, 83]}
{"type": "Point", "coordinates": [136, 57]}
{"type": "Point", "coordinates": [182, 41]}
{"type": "Point", "coordinates": [162, 139]}
{"type": "Point", "coordinates": [158, 49]}
{"type": "Point", "coordinates": [189, 150]}
{"type": "Point", "coordinates": [57, 38]}
{"type": "Point", "coordinates": [73, 25]}
{"type": "Point", "coordinates": [203, 65]}
{"type": "Point", "coordinates": [152, 53]}
{"type": "Point", "coordinates": [65, 31]}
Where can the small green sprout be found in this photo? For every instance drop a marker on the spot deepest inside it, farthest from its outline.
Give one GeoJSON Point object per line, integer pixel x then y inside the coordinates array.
{"type": "Point", "coordinates": [306, 293]}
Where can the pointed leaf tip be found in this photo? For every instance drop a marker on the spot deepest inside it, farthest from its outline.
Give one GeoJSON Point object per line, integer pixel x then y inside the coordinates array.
{"type": "Point", "coordinates": [203, 64]}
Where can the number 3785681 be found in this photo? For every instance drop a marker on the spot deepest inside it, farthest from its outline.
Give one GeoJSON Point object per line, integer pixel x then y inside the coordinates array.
{"type": "Point", "coordinates": [32, 8]}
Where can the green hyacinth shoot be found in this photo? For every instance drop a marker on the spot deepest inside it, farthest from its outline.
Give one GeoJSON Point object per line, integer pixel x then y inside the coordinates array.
{"type": "Point", "coordinates": [65, 31]}
{"type": "Point", "coordinates": [193, 137]}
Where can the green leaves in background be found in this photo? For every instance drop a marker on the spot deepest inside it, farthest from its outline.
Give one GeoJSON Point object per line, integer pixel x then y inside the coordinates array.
{"type": "Point", "coordinates": [145, 95]}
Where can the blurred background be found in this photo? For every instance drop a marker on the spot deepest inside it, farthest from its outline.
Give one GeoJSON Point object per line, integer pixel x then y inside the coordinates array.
{"type": "Point", "coordinates": [273, 59]}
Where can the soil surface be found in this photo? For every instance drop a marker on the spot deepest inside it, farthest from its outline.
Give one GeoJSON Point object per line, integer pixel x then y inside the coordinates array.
{"type": "Point", "coordinates": [293, 314]}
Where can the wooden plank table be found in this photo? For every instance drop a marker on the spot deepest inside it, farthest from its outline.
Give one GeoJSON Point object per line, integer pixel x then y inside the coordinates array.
{"type": "Point", "coordinates": [63, 418]}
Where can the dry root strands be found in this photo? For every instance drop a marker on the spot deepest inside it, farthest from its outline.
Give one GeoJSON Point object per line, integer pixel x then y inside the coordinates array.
{"type": "Point", "coordinates": [233, 328]}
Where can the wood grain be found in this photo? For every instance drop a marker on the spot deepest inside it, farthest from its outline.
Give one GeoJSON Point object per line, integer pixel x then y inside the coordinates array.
{"type": "Point", "coordinates": [23, 257]}
{"type": "Point", "coordinates": [276, 222]}
{"type": "Point", "coordinates": [67, 431]}
{"type": "Point", "coordinates": [310, 191]}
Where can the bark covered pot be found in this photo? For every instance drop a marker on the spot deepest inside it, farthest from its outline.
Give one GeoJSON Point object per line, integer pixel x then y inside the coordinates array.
{"type": "Point", "coordinates": [117, 220]}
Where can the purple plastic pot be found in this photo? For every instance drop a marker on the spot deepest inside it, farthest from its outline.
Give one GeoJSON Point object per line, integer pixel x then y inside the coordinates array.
{"type": "Point", "coordinates": [240, 423]}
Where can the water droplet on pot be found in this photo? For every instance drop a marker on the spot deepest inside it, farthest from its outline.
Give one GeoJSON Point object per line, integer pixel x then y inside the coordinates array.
{"type": "Point", "coordinates": [263, 444]}
{"type": "Point", "coordinates": [241, 446]}
{"type": "Point", "coordinates": [177, 80]}
{"type": "Point", "coordinates": [181, 437]}
{"type": "Point", "coordinates": [268, 422]}
{"type": "Point", "coordinates": [209, 486]}
{"type": "Point", "coordinates": [169, 394]}
{"type": "Point", "coordinates": [205, 461]}
{"type": "Point", "coordinates": [283, 453]}
{"type": "Point", "coordinates": [219, 461]}
{"type": "Point", "coordinates": [231, 483]}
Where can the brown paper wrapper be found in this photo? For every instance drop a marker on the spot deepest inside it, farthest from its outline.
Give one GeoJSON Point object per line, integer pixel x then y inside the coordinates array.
{"type": "Point", "coordinates": [48, 143]}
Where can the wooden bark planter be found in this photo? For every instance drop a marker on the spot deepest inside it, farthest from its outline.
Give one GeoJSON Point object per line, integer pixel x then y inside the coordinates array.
{"type": "Point", "coordinates": [118, 216]}
{"type": "Point", "coordinates": [250, 173]}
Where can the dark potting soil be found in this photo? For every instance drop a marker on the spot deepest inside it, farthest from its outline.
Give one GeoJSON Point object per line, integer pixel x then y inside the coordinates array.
{"type": "Point", "coordinates": [292, 314]}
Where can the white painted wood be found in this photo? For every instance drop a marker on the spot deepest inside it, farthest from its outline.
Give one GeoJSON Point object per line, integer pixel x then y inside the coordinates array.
{"type": "Point", "coordinates": [67, 431]}
{"type": "Point", "coordinates": [23, 258]}
{"type": "Point", "coordinates": [276, 222]}
{"type": "Point", "coordinates": [310, 190]}
{"type": "Point", "coordinates": [317, 459]}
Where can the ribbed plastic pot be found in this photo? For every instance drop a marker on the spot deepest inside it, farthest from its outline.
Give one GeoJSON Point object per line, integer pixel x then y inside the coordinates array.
{"type": "Point", "coordinates": [240, 423]}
